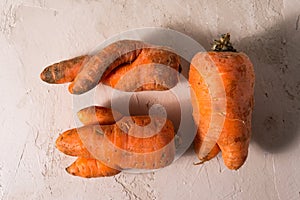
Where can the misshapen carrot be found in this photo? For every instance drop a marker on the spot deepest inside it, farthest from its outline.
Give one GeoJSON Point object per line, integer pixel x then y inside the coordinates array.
{"type": "Point", "coordinates": [115, 145]}
{"type": "Point", "coordinates": [90, 168]}
{"type": "Point", "coordinates": [153, 66]}
{"type": "Point", "coordinates": [237, 75]}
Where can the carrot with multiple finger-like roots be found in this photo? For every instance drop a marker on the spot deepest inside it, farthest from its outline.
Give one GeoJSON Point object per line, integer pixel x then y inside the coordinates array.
{"type": "Point", "coordinates": [225, 78]}
{"type": "Point", "coordinates": [111, 64]}
{"type": "Point", "coordinates": [111, 142]}
{"type": "Point", "coordinates": [136, 142]}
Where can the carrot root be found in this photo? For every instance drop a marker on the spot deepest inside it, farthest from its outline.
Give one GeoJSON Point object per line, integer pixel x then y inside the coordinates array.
{"type": "Point", "coordinates": [90, 168]}
{"type": "Point", "coordinates": [98, 115]}
{"type": "Point", "coordinates": [64, 71]}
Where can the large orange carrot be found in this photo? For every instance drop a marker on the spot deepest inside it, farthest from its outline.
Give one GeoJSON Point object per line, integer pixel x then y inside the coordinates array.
{"type": "Point", "coordinates": [237, 76]}
{"type": "Point", "coordinates": [90, 168]}
{"type": "Point", "coordinates": [65, 71]}
{"type": "Point", "coordinates": [119, 146]}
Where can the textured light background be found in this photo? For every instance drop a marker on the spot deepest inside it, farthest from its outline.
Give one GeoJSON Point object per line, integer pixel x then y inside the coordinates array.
{"type": "Point", "coordinates": [35, 33]}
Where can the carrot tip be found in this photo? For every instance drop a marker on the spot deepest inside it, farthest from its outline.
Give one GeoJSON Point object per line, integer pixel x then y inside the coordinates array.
{"type": "Point", "coordinates": [67, 170]}
{"type": "Point", "coordinates": [42, 76]}
{"type": "Point", "coordinates": [70, 88]}
{"type": "Point", "coordinates": [199, 163]}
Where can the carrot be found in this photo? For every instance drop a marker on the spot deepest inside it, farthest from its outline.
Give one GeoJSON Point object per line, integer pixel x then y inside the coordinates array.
{"type": "Point", "coordinates": [112, 63]}
{"type": "Point", "coordinates": [98, 115]}
{"type": "Point", "coordinates": [63, 72]}
{"type": "Point", "coordinates": [237, 75]}
{"type": "Point", "coordinates": [117, 145]}
{"type": "Point", "coordinates": [90, 168]}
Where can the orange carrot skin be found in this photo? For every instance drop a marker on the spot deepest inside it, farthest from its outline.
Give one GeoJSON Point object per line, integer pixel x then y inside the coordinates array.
{"type": "Point", "coordinates": [239, 87]}
{"type": "Point", "coordinates": [200, 98]}
{"type": "Point", "coordinates": [114, 147]}
{"type": "Point", "coordinates": [123, 151]}
{"type": "Point", "coordinates": [108, 67]}
{"type": "Point", "coordinates": [104, 62]}
{"type": "Point", "coordinates": [63, 72]}
{"type": "Point", "coordinates": [98, 115]}
{"type": "Point", "coordinates": [238, 78]}
{"type": "Point", "coordinates": [69, 143]}
{"type": "Point", "coordinates": [90, 168]}
{"type": "Point", "coordinates": [213, 153]}
{"type": "Point", "coordinates": [154, 69]}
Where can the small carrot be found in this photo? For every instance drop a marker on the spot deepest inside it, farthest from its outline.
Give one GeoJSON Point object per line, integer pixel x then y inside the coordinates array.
{"type": "Point", "coordinates": [65, 71]}
{"type": "Point", "coordinates": [90, 168]}
{"type": "Point", "coordinates": [237, 75]}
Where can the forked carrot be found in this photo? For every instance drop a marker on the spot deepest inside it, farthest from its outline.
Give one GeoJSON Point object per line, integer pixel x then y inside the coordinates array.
{"type": "Point", "coordinates": [117, 146]}
{"type": "Point", "coordinates": [237, 76]}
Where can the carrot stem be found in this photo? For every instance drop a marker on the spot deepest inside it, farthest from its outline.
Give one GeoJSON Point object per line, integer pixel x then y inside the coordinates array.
{"type": "Point", "coordinates": [223, 44]}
